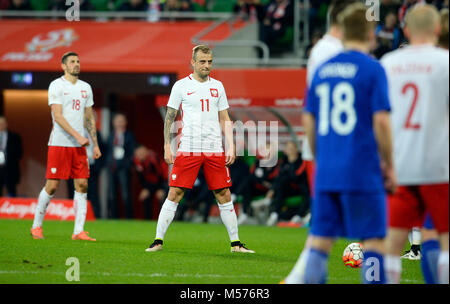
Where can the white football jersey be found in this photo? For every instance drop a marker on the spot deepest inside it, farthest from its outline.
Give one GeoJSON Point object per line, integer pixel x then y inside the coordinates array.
{"type": "Point", "coordinates": [199, 104]}
{"type": "Point", "coordinates": [418, 87]}
{"type": "Point", "coordinates": [74, 98]}
{"type": "Point", "coordinates": [325, 49]}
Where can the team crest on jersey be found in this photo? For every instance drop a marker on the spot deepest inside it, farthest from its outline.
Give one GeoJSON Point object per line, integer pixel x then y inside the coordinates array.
{"type": "Point", "coordinates": [214, 93]}
{"type": "Point", "coordinates": [84, 94]}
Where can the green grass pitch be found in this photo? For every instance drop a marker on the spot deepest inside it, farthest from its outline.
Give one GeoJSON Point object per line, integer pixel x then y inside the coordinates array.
{"type": "Point", "coordinates": [192, 254]}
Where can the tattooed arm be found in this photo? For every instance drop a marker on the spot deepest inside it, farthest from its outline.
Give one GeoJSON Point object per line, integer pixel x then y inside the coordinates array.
{"type": "Point", "coordinates": [171, 114]}
{"type": "Point", "coordinates": [89, 124]}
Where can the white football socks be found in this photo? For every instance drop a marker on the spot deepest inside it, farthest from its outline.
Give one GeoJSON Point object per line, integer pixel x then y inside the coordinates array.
{"type": "Point", "coordinates": [229, 219]}
{"type": "Point", "coordinates": [297, 275]}
{"type": "Point", "coordinates": [443, 267]}
{"type": "Point", "coordinates": [41, 208]}
{"type": "Point", "coordinates": [165, 218]}
{"type": "Point", "coordinates": [80, 208]}
{"type": "Point", "coordinates": [393, 268]}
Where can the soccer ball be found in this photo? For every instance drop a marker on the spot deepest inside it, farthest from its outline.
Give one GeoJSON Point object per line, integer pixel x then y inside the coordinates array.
{"type": "Point", "coordinates": [353, 255]}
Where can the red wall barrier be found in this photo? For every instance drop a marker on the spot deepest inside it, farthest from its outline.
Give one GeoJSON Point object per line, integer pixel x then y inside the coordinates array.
{"type": "Point", "coordinates": [24, 208]}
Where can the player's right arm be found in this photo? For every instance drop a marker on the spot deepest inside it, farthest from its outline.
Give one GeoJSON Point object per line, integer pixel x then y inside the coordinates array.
{"type": "Point", "coordinates": [60, 120]}
{"type": "Point", "coordinates": [383, 136]}
{"type": "Point", "coordinates": [382, 127]}
{"type": "Point", "coordinates": [171, 114]}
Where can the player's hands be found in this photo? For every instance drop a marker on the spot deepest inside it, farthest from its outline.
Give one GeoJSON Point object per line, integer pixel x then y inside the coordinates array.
{"type": "Point", "coordinates": [144, 195]}
{"type": "Point", "coordinates": [168, 155]}
{"type": "Point", "coordinates": [230, 157]}
{"type": "Point", "coordinates": [83, 141]}
{"type": "Point", "coordinates": [389, 177]}
{"type": "Point", "coordinates": [97, 153]}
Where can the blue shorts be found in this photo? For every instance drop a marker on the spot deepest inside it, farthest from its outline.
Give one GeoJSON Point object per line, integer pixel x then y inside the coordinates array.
{"type": "Point", "coordinates": [428, 224]}
{"type": "Point", "coordinates": [354, 215]}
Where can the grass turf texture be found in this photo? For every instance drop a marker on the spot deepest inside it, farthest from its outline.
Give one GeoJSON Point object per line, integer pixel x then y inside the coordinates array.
{"type": "Point", "coordinates": [193, 253]}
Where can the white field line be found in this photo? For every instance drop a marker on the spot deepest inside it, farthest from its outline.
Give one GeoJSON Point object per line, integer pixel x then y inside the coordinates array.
{"type": "Point", "coordinates": [176, 275]}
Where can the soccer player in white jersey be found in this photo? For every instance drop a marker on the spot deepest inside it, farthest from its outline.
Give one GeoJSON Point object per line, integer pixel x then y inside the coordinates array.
{"type": "Point", "coordinates": [418, 76]}
{"type": "Point", "coordinates": [203, 105]}
{"type": "Point", "coordinates": [71, 101]}
{"type": "Point", "coordinates": [326, 48]}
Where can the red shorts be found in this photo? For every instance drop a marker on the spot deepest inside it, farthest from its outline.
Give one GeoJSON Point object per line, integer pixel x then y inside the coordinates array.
{"type": "Point", "coordinates": [408, 206]}
{"type": "Point", "coordinates": [186, 166]}
{"type": "Point", "coordinates": [67, 162]}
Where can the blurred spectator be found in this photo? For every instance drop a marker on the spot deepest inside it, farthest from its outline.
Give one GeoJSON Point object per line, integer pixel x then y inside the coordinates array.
{"type": "Point", "coordinates": [249, 10]}
{"type": "Point", "coordinates": [388, 6]}
{"type": "Point", "coordinates": [20, 5]}
{"type": "Point", "coordinates": [119, 160]}
{"type": "Point", "coordinates": [239, 172]}
{"type": "Point", "coordinates": [444, 37]}
{"type": "Point", "coordinates": [292, 180]}
{"type": "Point", "coordinates": [10, 154]}
{"type": "Point", "coordinates": [60, 5]}
{"type": "Point", "coordinates": [407, 4]}
{"type": "Point", "coordinates": [134, 6]}
{"type": "Point", "coordinates": [278, 16]}
{"type": "Point", "coordinates": [258, 182]}
{"type": "Point", "coordinates": [151, 177]}
{"type": "Point", "coordinates": [388, 35]}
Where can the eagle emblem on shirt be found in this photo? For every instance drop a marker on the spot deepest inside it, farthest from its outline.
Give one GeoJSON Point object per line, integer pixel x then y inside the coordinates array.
{"type": "Point", "coordinates": [214, 93]}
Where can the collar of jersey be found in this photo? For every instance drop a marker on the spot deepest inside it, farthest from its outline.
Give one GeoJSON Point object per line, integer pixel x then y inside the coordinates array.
{"type": "Point", "coordinates": [191, 77]}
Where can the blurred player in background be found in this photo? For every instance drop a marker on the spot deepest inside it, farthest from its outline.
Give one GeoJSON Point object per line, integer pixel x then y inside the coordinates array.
{"type": "Point", "coordinates": [71, 101]}
{"type": "Point", "coordinates": [327, 47]}
{"type": "Point", "coordinates": [203, 105]}
{"type": "Point", "coordinates": [418, 76]}
{"type": "Point", "coordinates": [348, 127]}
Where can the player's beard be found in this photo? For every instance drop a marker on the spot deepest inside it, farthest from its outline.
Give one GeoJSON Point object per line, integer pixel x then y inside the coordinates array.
{"type": "Point", "coordinates": [203, 74]}
{"type": "Point", "coordinates": [75, 72]}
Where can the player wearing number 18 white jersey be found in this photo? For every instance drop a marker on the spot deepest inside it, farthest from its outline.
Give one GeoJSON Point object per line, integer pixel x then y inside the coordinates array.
{"type": "Point", "coordinates": [70, 100]}
{"type": "Point", "coordinates": [418, 78]}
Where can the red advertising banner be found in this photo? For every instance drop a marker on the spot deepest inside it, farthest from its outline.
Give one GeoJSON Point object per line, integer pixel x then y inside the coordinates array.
{"type": "Point", "coordinates": [24, 208]}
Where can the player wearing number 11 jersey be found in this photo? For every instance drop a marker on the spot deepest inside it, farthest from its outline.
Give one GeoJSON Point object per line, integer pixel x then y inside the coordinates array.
{"type": "Point", "coordinates": [203, 105]}
{"type": "Point", "coordinates": [347, 124]}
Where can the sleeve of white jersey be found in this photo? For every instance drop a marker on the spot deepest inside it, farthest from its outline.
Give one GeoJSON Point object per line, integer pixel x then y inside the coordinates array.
{"type": "Point", "coordinates": [90, 100]}
{"type": "Point", "coordinates": [223, 101]}
{"type": "Point", "coordinates": [175, 96]}
{"type": "Point", "coordinates": [54, 94]}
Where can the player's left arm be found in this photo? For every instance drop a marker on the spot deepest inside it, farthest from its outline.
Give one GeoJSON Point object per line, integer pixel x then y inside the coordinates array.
{"type": "Point", "coordinates": [89, 124]}
{"type": "Point", "coordinates": [227, 128]}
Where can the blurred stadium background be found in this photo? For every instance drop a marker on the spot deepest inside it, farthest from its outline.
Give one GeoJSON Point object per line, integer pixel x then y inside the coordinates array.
{"type": "Point", "coordinates": [132, 53]}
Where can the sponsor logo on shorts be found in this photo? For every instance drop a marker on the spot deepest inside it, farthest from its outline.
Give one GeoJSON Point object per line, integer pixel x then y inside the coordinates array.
{"type": "Point", "coordinates": [53, 170]}
{"type": "Point", "coordinates": [174, 176]}
{"type": "Point", "coordinates": [228, 180]}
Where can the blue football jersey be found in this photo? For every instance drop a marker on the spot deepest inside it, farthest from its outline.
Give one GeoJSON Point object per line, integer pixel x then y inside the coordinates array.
{"type": "Point", "coordinates": [345, 93]}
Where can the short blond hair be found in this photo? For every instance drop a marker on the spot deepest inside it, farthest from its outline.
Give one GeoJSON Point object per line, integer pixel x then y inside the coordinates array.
{"type": "Point", "coordinates": [444, 37]}
{"type": "Point", "coordinates": [423, 18]}
{"type": "Point", "coordinates": [200, 48]}
{"type": "Point", "coordinates": [354, 23]}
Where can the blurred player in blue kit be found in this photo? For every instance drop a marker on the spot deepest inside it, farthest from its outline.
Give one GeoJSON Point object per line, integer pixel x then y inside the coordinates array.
{"type": "Point", "coordinates": [348, 127]}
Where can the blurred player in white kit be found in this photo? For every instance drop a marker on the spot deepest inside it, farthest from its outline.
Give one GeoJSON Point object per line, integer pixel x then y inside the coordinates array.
{"type": "Point", "coordinates": [418, 77]}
